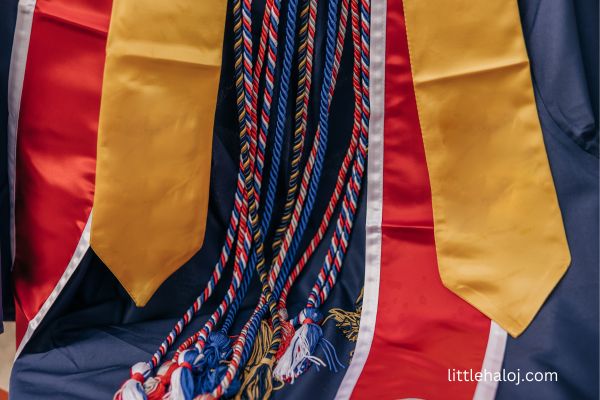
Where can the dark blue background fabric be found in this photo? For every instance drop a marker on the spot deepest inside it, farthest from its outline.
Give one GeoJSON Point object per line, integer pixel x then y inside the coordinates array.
{"type": "Point", "coordinates": [562, 40]}
{"type": "Point", "coordinates": [94, 333]}
{"type": "Point", "coordinates": [8, 14]}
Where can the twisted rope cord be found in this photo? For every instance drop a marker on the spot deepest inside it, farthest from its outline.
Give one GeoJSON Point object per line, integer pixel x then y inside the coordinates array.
{"type": "Point", "coordinates": [305, 49]}
{"type": "Point", "coordinates": [233, 366]}
{"type": "Point", "coordinates": [335, 256]}
{"type": "Point", "coordinates": [253, 181]}
{"type": "Point", "coordinates": [234, 218]}
{"type": "Point", "coordinates": [341, 178]}
{"type": "Point", "coordinates": [311, 175]}
{"type": "Point", "coordinates": [248, 333]}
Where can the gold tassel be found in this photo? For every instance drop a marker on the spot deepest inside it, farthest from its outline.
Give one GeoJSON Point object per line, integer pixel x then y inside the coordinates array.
{"type": "Point", "coordinates": [261, 345]}
{"type": "Point", "coordinates": [258, 381]}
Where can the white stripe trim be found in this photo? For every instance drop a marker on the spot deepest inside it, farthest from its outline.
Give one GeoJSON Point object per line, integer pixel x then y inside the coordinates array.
{"type": "Point", "coordinates": [16, 75]}
{"type": "Point", "coordinates": [492, 362]}
{"type": "Point", "coordinates": [374, 202]}
{"type": "Point", "coordinates": [80, 250]}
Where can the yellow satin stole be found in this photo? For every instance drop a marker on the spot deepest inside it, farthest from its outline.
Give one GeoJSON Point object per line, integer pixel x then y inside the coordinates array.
{"type": "Point", "coordinates": [163, 62]}
{"type": "Point", "coordinates": [499, 234]}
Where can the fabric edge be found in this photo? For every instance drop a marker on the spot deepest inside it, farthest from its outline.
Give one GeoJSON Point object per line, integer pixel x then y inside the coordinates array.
{"type": "Point", "coordinates": [374, 202]}
{"type": "Point", "coordinates": [492, 362]}
{"type": "Point", "coordinates": [80, 251]}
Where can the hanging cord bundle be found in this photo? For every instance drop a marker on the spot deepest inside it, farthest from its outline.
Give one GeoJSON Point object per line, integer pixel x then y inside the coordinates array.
{"type": "Point", "coordinates": [260, 378]}
{"type": "Point", "coordinates": [288, 333]}
{"type": "Point", "coordinates": [228, 374]}
{"type": "Point", "coordinates": [306, 37]}
{"type": "Point", "coordinates": [305, 55]}
{"type": "Point", "coordinates": [308, 17]}
{"type": "Point", "coordinates": [349, 156]}
{"type": "Point", "coordinates": [271, 193]}
{"type": "Point", "coordinates": [243, 90]}
{"type": "Point", "coordinates": [233, 366]}
{"type": "Point", "coordinates": [136, 387]}
{"type": "Point", "coordinates": [305, 49]}
{"type": "Point", "coordinates": [204, 370]}
{"type": "Point", "coordinates": [212, 373]}
{"type": "Point", "coordinates": [300, 354]}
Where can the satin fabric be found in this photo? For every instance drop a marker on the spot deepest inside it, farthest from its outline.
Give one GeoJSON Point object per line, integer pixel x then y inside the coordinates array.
{"type": "Point", "coordinates": [154, 142]}
{"type": "Point", "coordinates": [56, 144]}
{"type": "Point", "coordinates": [499, 234]}
{"type": "Point", "coordinates": [94, 333]}
{"type": "Point", "coordinates": [422, 329]}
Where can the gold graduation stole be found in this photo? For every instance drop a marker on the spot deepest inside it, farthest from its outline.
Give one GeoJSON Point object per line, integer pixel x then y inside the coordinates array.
{"type": "Point", "coordinates": [163, 62]}
{"type": "Point", "coordinates": [499, 234]}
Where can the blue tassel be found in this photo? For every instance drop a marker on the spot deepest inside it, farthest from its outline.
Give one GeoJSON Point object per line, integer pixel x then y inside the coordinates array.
{"type": "Point", "coordinates": [182, 379]}
{"type": "Point", "coordinates": [217, 349]}
{"type": "Point", "coordinates": [331, 358]}
{"type": "Point", "coordinates": [215, 353]}
{"type": "Point", "coordinates": [212, 378]}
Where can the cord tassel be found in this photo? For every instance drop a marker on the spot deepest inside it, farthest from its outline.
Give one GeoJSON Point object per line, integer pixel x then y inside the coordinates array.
{"type": "Point", "coordinates": [216, 350]}
{"type": "Point", "coordinates": [156, 387]}
{"type": "Point", "coordinates": [299, 355]}
{"type": "Point", "coordinates": [132, 388]}
{"type": "Point", "coordinates": [211, 379]}
{"type": "Point", "coordinates": [259, 384]}
{"type": "Point", "coordinates": [287, 334]}
{"type": "Point", "coordinates": [214, 356]}
{"type": "Point", "coordinates": [261, 346]}
{"type": "Point", "coordinates": [182, 379]}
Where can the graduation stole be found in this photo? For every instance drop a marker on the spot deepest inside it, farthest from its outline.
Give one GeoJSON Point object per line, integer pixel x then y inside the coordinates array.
{"type": "Point", "coordinates": [208, 364]}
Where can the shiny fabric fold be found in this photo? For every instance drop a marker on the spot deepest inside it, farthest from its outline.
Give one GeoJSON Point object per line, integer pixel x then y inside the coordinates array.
{"type": "Point", "coordinates": [56, 144]}
{"type": "Point", "coordinates": [422, 330]}
{"type": "Point", "coordinates": [499, 234]}
{"type": "Point", "coordinates": [154, 142]}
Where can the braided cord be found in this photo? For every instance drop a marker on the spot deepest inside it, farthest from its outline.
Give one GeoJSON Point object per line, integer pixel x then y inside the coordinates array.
{"type": "Point", "coordinates": [234, 364]}
{"type": "Point", "coordinates": [234, 219]}
{"type": "Point", "coordinates": [306, 33]}
{"type": "Point", "coordinates": [253, 180]}
{"type": "Point", "coordinates": [311, 176]}
{"type": "Point", "coordinates": [305, 50]}
{"type": "Point", "coordinates": [342, 173]}
{"type": "Point", "coordinates": [334, 49]}
{"type": "Point", "coordinates": [334, 260]}
{"type": "Point", "coordinates": [250, 196]}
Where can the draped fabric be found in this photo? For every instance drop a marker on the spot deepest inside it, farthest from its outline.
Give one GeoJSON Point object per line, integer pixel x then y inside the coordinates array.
{"type": "Point", "coordinates": [55, 141]}
{"type": "Point", "coordinates": [83, 344]}
{"type": "Point", "coordinates": [94, 332]}
{"type": "Point", "coordinates": [419, 323]}
{"type": "Point", "coordinates": [154, 144]}
{"type": "Point", "coordinates": [499, 234]}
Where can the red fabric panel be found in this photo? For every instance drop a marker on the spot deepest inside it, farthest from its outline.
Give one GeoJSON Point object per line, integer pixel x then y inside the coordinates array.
{"type": "Point", "coordinates": [56, 142]}
{"type": "Point", "coordinates": [422, 329]}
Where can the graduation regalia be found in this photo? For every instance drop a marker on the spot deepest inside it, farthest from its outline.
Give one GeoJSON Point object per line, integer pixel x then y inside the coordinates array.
{"type": "Point", "coordinates": [299, 198]}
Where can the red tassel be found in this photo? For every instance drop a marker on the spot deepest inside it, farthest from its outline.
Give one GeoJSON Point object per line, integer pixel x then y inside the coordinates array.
{"type": "Point", "coordinates": [287, 333]}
